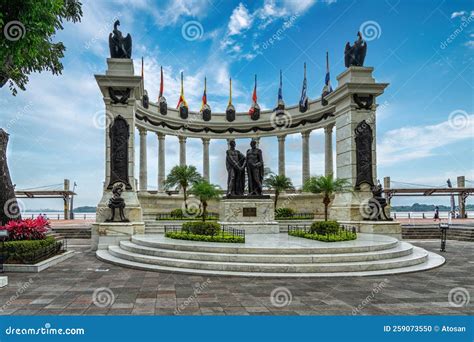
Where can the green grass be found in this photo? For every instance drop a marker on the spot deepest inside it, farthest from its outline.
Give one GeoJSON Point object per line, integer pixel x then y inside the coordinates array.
{"type": "Point", "coordinates": [220, 237]}
{"type": "Point", "coordinates": [343, 236]}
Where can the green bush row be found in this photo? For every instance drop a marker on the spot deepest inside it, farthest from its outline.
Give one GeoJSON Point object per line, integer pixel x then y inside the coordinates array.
{"type": "Point", "coordinates": [221, 237]}
{"type": "Point", "coordinates": [201, 228]}
{"type": "Point", "coordinates": [284, 212]}
{"type": "Point", "coordinates": [342, 236]}
{"type": "Point", "coordinates": [325, 227]}
{"type": "Point", "coordinates": [17, 251]}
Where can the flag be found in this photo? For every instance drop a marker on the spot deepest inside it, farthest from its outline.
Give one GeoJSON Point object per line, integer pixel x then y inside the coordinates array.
{"type": "Point", "coordinates": [327, 82]}
{"type": "Point", "coordinates": [304, 99]}
{"type": "Point", "coordinates": [254, 97]}
{"type": "Point", "coordinates": [142, 69]}
{"type": "Point", "coordinates": [181, 97]}
{"type": "Point", "coordinates": [161, 84]}
{"type": "Point", "coordinates": [280, 91]}
{"type": "Point", "coordinates": [204, 96]}
{"type": "Point", "coordinates": [230, 91]}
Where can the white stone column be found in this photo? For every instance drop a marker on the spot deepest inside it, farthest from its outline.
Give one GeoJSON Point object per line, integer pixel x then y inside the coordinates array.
{"type": "Point", "coordinates": [143, 161]}
{"type": "Point", "coordinates": [182, 150]}
{"type": "Point", "coordinates": [205, 158]}
{"type": "Point", "coordinates": [281, 154]}
{"type": "Point", "coordinates": [328, 163]}
{"type": "Point", "coordinates": [161, 161]}
{"type": "Point", "coordinates": [305, 157]}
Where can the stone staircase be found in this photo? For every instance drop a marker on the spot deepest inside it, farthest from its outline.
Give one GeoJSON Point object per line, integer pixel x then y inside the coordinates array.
{"type": "Point", "coordinates": [268, 255]}
{"type": "Point", "coordinates": [433, 232]}
{"type": "Point", "coordinates": [71, 233]}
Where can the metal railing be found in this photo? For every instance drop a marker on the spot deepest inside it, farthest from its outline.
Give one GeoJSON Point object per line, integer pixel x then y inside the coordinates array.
{"type": "Point", "coordinates": [224, 230]}
{"type": "Point", "coordinates": [296, 216]}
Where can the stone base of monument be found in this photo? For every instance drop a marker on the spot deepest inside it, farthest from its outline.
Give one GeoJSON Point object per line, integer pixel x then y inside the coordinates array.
{"type": "Point", "coordinates": [388, 228]}
{"type": "Point", "coordinates": [3, 281]}
{"type": "Point", "coordinates": [105, 234]}
{"type": "Point", "coordinates": [254, 214]}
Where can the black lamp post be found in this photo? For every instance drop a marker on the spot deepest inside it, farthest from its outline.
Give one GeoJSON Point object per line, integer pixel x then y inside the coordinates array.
{"type": "Point", "coordinates": [444, 229]}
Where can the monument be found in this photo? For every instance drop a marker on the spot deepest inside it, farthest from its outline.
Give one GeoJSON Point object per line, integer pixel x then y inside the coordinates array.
{"type": "Point", "coordinates": [253, 212]}
{"type": "Point", "coordinates": [120, 89]}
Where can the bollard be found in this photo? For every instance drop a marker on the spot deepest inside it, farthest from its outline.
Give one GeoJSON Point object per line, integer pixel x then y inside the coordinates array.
{"type": "Point", "coordinates": [444, 229]}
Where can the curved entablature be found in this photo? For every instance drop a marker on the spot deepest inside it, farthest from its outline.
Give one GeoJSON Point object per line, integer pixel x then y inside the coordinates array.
{"type": "Point", "coordinates": [289, 121]}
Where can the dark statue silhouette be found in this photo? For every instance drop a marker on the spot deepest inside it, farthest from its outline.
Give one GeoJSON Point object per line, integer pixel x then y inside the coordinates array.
{"type": "Point", "coordinates": [117, 202]}
{"type": "Point", "coordinates": [235, 165]}
{"type": "Point", "coordinates": [355, 55]}
{"type": "Point", "coordinates": [120, 46]}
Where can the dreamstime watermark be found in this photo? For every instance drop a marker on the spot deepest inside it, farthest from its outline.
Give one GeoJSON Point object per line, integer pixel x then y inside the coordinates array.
{"type": "Point", "coordinates": [103, 297]}
{"type": "Point", "coordinates": [192, 208]}
{"type": "Point", "coordinates": [14, 30]}
{"type": "Point", "coordinates": [370, 30]}
{"type": "Point", "coordinates": [17, 294]}
{"type": "Point", "coordinates": [459, 119]}
{"type": "Point", "coordinates": [27, 108]}
{"type": "Point", "coordinates": [47, 329]}
{"type": "Point", "coordinates": [465, 22]}
{"type": "Point", "coordinates": [192, 30]}
{"type": "Point", "coordinates": [13, 208]}
{"type": "Point", "coordinates": [102, 119]}
{"type": "Point", "coordinates": [279, 33]}
{"type": "Point", "coordinates": [370, 209]}
{"type": "Point", "coordinates": [281, 297]}
{"type": "Point", "coordinates": [198, 289]}
{"type": "Point", "coordinates": [458, 297]}
{"type": "Point", "coordinates": [367, 300]}
{"type": "Point", "coordinates": [281, 119]}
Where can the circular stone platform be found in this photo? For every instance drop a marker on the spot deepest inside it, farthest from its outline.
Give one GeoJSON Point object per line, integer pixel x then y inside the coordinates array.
{"type": "Point", "coordinates": [273, 255]}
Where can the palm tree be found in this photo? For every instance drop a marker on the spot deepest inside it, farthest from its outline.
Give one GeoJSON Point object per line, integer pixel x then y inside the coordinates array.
{"type": "Point", "coordinates": [279, 183]}
{"type": "Point", "coordinates": [205, 191]}
{"type": "Point", "coordinates": [182, 177]}
{"type": "Point", "coordinates": [328, 186]}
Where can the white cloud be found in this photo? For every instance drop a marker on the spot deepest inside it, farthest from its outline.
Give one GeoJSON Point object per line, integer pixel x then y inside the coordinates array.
{"type": "Point", "coordinates": [457, 14]}
{"type": "Point", "coordinates": [176, 9]}
{"type": "Point", "coordinates": [409, 143]}
{"type": "Point", "coordinates": [240, 20]}
{"type": "Point", "coordinates": [470, 44]}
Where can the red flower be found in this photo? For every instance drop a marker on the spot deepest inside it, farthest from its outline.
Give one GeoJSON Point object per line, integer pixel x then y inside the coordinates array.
{"type": "Point", "coordinates": [27, 229]}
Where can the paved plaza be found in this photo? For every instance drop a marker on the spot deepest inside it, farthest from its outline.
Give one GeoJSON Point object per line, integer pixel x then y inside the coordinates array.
{"type": "Point", "coordinates": [68, 289]}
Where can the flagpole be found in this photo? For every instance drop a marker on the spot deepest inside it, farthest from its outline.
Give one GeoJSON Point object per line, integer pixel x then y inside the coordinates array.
{"type": "Point", "coordinates": [230, 91]}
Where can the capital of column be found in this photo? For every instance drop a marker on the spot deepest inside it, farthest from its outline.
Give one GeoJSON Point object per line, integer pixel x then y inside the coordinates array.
{"type": "Point", "coordinates": [281, 137]}
{"type": "Point", "coordinates": [142, 131]}
{"type": "Point", "coordinates": [206, 141]}
{"type": "Point", "coordinates": [161, 136]}
{"type": "Point", "coordinates": [305, 134]}
{"type": "Point", "coordinates": [328, 129]}
{"type": "Point", "coordinates": [182, 139]}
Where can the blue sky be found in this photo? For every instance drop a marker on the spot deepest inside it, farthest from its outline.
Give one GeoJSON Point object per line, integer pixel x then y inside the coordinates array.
{"type": "Point", "coordinates": [424, 49]}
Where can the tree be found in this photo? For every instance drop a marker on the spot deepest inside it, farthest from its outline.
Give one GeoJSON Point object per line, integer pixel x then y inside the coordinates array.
{"type": "Point", "coordinates": [182, 177]}
{"type": "Point", "coordinates": [8, 205]}
{"type": "Point", "coordinates": [328, 186]}
{"type": "Point", "coordinates": [278, 183]}
{"type": "Point", "coordinates": [206, 192]}
{"type": "Point", "coordinates": [26, 43]}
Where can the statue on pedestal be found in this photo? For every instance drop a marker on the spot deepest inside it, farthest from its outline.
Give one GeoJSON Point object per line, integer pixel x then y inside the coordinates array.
{"type": "Point", "coordinates": [255, 169]}
{"type": "Point", "coordinates": [120, 46]}
{"type": "Point", "coordinates": [235, 164]}
{"type": "Point", "coordinates": [355, 55]}
{"type": "Point", "coordinates": [377, 204]}
{"type": "Point", "coordinates": [117, 202]}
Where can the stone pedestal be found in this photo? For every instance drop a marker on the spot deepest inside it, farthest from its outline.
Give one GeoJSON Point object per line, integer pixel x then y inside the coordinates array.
{"type": "Point", "coordinates": [3, 281]}
{"type": "Point", "coordinates": [256, 215]}
{"type": "Point", "coordinates": [111, 233]}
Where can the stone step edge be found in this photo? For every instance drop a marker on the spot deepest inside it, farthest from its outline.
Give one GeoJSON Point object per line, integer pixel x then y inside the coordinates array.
{"type": "Point", "coordinates": [434, 261]}
{"type": "Point", "coordinates": [259, 250]}
{"type": "Point", "coordinates": [402, 249]}
{"type": "Point", "coordinates": [418, 254]}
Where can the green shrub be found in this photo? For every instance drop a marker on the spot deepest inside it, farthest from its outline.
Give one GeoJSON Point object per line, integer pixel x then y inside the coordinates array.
{"type": "Point", "coordinates": [324, 227]}
{"type": "Point", "coordinates": [201, 228]}
{"type": "Point", "coordinates": [340, 236]}
{"type": "Point", "coordinates": [221, 237]}
{"type": "Point", "coordinates": [177, 213]}
{"type": "Point", "coordinates": [23, 250]}
{"type": "Point", "coordinates": [284, 212]}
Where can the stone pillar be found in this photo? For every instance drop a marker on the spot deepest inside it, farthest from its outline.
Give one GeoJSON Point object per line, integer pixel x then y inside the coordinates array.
{"type": "Point", "coordinates": [305, 157]}
{"type": "Point", "coordinates": [182, 150]}
{"type": "Point", "coordinates": [461, 183]}
{"type": "Point", "coordinates": [355, 102]}
{"type": "Point", "coordinates": [205, 158]}
{"type": "Point", "coordinates": [143, 182]}
{"type": "Point", "coordinates": [161, 161]}
{"type": "Point", "coordinates": [328, 163]}
{"type": "Point", "coordinates": [281, 154]}
{"type": "Point", "coordinates": [66, 199]}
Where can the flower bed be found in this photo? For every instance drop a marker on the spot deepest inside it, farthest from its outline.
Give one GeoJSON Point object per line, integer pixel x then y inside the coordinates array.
{"type": "Point", "coordinates": [205, 231]}
{"type": "Point", "coordinates": [327, 231]}
{"type": "Point", "coordinates": [28, 229]}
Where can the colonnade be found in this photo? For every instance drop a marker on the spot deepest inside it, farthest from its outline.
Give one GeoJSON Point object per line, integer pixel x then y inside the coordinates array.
{"type": "Point", "coordinates": [161, 137]}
